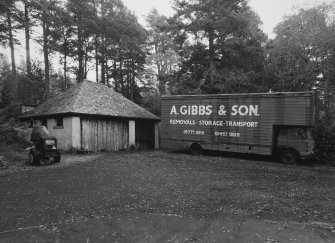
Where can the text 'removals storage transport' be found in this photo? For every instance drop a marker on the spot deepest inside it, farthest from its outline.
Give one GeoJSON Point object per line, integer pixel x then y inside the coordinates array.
{"type": "Point", "coordinates": [267, 123]}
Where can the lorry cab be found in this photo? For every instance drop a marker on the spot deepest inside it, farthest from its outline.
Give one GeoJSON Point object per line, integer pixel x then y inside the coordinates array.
{"type": "Point", "coordinates": [294, 143]}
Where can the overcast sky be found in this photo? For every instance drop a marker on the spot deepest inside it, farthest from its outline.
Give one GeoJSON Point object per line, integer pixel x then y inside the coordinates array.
{"type": "Point", "coordinates": [271, 12]}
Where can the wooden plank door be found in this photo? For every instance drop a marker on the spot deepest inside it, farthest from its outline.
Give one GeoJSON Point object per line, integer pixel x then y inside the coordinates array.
{"type": "Point", "coordinates": [103, 135]}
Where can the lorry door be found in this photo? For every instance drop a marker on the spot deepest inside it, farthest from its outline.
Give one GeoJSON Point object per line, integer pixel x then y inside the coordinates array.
{"type": "Point", "coordinates": [281, 140]}
{"type": "Point", "coordinates": [295, 139]}
{"type": "Point", "coordinates": [298, 138]}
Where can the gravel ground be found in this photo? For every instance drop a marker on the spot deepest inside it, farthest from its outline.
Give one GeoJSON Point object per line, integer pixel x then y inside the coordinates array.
{"type": "Point", "coordinates": [156, 182]}
{"type": "Point", "coordinates": [66, 160]}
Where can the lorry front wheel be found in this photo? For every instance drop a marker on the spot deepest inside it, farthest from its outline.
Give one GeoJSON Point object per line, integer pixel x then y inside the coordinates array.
{"type": "Point", "coordinates": [196, 149]}
{"type": "Point", "coordinates": [32, 159]}
{"type": "Point", "coordinates": [288, 156]}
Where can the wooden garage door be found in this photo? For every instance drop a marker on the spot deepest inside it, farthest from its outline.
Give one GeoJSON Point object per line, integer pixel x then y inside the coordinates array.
{"type": "Point", "coordinates": [103, 135]}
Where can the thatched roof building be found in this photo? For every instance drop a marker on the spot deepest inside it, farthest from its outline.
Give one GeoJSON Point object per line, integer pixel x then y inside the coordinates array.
{"type": "Point", "coordinates": [91, 116]}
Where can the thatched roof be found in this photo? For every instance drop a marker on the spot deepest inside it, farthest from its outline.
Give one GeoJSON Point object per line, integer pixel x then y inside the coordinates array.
{"type": "Point", "coordinates": [89, 98]}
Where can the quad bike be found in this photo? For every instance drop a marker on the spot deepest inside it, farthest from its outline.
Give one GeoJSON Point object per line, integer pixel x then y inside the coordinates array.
{"type": "Point", "coordinates": [45, 147]}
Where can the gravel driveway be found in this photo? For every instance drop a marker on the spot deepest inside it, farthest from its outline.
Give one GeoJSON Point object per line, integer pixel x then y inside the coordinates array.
{"type": "Point", "coordinates": [119, 192]}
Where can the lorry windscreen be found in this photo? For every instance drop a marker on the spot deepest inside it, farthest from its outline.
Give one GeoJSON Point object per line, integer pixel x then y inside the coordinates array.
{"type": "Point", "coordinates": [297, 133]}
{"type": "Point", "coordinates": [309, 133]}
{"type": "Point", "coordinates": [305, 133]}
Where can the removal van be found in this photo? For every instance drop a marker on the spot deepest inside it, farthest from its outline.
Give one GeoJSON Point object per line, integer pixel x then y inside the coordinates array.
{"type": "Point", "coordinates": [278, 124]}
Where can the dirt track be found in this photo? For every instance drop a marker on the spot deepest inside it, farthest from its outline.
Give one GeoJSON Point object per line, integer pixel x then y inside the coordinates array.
{"type": "Point", "coordinates": [131, 195]}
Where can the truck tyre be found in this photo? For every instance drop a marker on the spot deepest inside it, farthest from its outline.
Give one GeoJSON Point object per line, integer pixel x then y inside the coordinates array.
{"type": "Point", "coordinates": [57, 158]}
{"type": "Point", "coordinates": [288, 156]}
{"type": "Point", "coordinates": [32, 159]}
{"type": "Point", "coordinates": [196, 149]}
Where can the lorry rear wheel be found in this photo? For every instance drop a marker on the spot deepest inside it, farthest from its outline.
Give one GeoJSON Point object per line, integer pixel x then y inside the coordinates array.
{"type": "Point", "coordinates": [196, 149]}
{"type": "Point", "coordinates": [57, 159]}
{"type": "Point", "coordinates": [288, 156]}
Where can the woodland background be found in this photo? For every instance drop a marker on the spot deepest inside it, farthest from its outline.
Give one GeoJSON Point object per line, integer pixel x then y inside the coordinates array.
{"type": "Point", "coordinates": [207, 47]}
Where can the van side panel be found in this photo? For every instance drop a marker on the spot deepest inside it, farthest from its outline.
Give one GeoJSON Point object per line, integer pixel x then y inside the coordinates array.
{"type": "Point", "coordinates": [239, 123]}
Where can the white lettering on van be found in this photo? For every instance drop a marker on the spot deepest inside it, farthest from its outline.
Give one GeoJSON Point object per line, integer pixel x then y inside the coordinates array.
{"type": "Point", "coordinates": [253, 110]}
{"type": "Point", "coordinates": [193, 110]}
{"type": "Point", "coordinates": [183, 110]}
{"type": "Point", "coordinates": [173, 110]}
{"type": "Point", "coordinates": [244, 110]}
{"type": "Point", "coordinates": [208, 110]}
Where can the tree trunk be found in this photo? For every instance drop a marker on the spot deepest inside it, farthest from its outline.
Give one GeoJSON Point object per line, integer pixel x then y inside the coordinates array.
{"type": "Point", "coordinates": [106, 70]}
{"type": "Point", "coordinates": [121, 78]}
{"type": "Point", "coordinates": [212, 67]}
{"type": "Point", "coordinates": [27, 35]}
{"type": "Point", "coordinates": [128, 78]}
{"type": "Point", "coordinates": [64, 71]}
{"type": "Point", "coordinates": [115, 76]}
{"type": "Point", "coordinates": [102, 63]}
{"type": "Point", "coordinates": [80, 54]}
{"type": "Point", "coordinates": [132, 84]}
{"type": "Point", "coordinates": [96, 59]}
{"type": "Point", "coordinates": [11, 41]}
{"type": "Point", "coordinates": [14, 87]}
{"type": "Point", "coordinates": [46, 54]}
{"type": "Point", "coordinates": [103, 66]}
{"type": "Point", "coordinates": [85, 64]}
